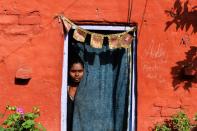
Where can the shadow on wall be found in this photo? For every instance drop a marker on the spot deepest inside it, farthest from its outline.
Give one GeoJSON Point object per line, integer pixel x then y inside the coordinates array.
{"type": "Point", "coordinates": [182, 16]}
{"type": "Point", "coordinates": [185, 72]}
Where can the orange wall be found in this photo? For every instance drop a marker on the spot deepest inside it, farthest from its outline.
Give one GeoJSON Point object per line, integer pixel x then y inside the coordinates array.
{"type": "Point", "coordinates": [30, 37]}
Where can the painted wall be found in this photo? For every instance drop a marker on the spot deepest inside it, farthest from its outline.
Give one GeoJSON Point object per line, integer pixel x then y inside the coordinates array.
{"type": "Point", "coordinates": [30, 38]}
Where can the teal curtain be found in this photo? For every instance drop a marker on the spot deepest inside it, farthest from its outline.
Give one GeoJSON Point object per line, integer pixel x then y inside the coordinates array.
{"type": "Point", "coordinates": [101, 99]}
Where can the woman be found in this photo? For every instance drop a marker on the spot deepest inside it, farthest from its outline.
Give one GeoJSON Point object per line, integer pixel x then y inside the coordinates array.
{"type": "Point", "coordinates": [76, 71]}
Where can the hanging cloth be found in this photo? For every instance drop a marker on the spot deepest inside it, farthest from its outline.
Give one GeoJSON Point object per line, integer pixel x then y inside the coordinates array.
{"type": "Point", "coordinates": [118, 40]}
{"type": "Point", "coordinates": [101, 99]}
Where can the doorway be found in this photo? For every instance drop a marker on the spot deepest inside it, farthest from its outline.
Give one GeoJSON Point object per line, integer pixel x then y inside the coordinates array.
{"type": "Point", "coordinates": [131, 106]}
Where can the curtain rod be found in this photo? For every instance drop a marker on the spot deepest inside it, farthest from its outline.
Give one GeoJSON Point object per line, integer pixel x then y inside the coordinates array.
{"type": "Point", "coordinates": [92, 22]}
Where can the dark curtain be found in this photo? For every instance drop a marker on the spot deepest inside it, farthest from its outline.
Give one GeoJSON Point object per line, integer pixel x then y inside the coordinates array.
{"type": "Point", "coordinates": [101, 99]}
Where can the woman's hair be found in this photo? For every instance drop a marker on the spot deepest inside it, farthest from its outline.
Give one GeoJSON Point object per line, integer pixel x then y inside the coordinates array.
{"type": "Point", "coordinates": [74, 60]}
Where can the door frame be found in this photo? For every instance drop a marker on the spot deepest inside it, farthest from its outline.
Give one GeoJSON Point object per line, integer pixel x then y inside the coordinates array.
{"type": "Point", "coordinates": [132, 104]}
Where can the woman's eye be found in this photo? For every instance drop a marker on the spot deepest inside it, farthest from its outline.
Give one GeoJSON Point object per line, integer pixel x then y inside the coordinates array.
{"type": "Point", "coordinates": [73, 71]}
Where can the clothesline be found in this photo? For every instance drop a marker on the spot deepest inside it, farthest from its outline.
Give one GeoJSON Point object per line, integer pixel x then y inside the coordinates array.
{"type": "Point", "coordinates": [74, 26]}
{"type": "Point", "coordinates": [117, 40]}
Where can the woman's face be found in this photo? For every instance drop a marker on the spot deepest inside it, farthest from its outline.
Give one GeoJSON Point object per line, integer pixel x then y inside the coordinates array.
{"type": "Point", "coordinates": [76, 72]}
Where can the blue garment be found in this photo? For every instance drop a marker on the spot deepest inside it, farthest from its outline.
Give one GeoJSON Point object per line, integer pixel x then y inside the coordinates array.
{"type": "Point", "coordinates": [101, 98]}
